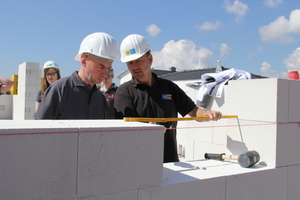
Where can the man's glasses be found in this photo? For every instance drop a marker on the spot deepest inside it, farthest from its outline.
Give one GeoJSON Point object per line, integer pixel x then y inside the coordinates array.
{"type": "Point", "coordinates": [50, 74]}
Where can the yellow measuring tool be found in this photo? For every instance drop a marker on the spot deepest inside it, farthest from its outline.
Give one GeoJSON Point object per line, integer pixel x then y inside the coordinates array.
{"type": "Point", "coordinates": [141, 119]}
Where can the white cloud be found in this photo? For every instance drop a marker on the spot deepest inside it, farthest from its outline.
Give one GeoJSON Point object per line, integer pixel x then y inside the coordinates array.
{"type": "Point", "coordinates": [225, 49]}
{"type": "Point", "coordinates": [295, 21]}
{"type": "Point", "coordinates": [272, 3]}
{"type": "Point", "coordinates": [293, 61]}
{"type": "Point", "coordinates": [267, 71]}
{"type": "Point", "coordinates": [183, 55]}
{"type": "Point", "coordinates": [153, 30]}
{"type": "Point", "coordinates": [255, 52]}
{"type": "Point", "coordinates": [238, 8]}
{"type": "Point", "coordinates": [206, 26]}
{"type": "Point", "coordinates": [279, 29]}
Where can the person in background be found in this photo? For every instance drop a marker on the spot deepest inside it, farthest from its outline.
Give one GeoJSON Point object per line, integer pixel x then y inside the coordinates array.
{"type": "Point", "coordinates": [77, 96]}
{"type": "Point", "coordinates": [109, 89]}
{"type": "Point", "coordinates": [146, 95]}
{"type": "Point", "coordinates": [51, 74]}
{"type": "Point", "coordinates": [5, 84]}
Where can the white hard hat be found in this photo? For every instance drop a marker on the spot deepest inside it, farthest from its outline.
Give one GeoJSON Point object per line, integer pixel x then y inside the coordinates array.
{"type": "Point", "coordinates": [100, 45]}
{"type": "Point", "coordinates": [51, 64]}
{"type": "Point", "coordinates": [133, 47]}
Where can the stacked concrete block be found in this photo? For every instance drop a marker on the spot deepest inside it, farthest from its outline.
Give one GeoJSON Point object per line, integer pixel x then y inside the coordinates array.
{"type": "Point", "coordinates": [29, 76]}
{"type": "Point", "coordinates": [293, 101]}
{"type": "Point", "coordinates": [113, 159]}
{"type": "Point", "coordinates": [268, 185]}
{"type": "Point", "coordinates": [38, 160]}
{"type": "Point", "coordinates": [210, 180]}
{"type": "Point", "coordinates": [257, 100]}
{"type": "Point", "coordinates": [119, 160]}
{"type": "Point", "coordinates": [78, 159]}
{"type": "Point", "coordinates": [293, 184]}
{"type": "Point", "coordinates": [267, 122]}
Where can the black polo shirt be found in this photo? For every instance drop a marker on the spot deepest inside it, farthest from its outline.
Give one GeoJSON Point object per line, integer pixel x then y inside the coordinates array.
{"type": "Point", "coordinates": [162, 100]}
{"type": "Point", "coordinates": [71, 98]}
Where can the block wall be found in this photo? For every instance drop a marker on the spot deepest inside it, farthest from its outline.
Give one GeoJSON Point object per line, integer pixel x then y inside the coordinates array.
{"type": "Point", "coordinates": [267, 122]}
{"type": "Point", "coordinates": [113, 159]}
{"type": "Point", "coordinates": [74, 159]}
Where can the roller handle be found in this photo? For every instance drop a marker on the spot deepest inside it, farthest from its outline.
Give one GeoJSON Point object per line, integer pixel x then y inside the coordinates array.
{"type": "Point", "coordinates": [221, 156]}
{"type": "Point", "coordinates": [214, 156]}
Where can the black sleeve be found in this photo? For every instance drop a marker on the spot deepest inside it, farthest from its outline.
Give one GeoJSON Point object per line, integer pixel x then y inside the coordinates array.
{"type": "Point", "coordinates": [50, 104]}
{"type": "Point", "coordinates": [124, 104]}
{"type": "Point", "coordinates": [184, 103]}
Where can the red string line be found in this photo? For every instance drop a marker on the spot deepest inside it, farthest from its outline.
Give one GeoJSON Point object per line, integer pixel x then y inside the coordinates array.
{"type": "Point", "coordinates": [150, 129]}
{"type": "Point", "coordinates": [96, 131]}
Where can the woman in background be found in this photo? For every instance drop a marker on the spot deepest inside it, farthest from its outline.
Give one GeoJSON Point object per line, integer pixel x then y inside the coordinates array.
{"type": "Point", "coordinates": [51, 74]}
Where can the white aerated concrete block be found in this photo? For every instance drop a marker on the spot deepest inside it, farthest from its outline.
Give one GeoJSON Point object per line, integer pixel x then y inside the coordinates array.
{"type": "Point", "coordinates": [234, 137]}
{"type": "Point", "coordinates": [293, 101]}
{"type": "Point", "coordinates": [202, 179]}
{"type": "Point", "coordinates": [75, 159]}
{"type": "Point", "coordinates": [288, 144]}
{"type": "Point", "coordinates": [119, 158]}
{"type": "Point", "coordinates": [209, 189]}
{"type": "Point", "coordinates": [37, 163]}
{"type": "Point", "coordinates": [255, 99]}
{"type": "Point", "coordinates": [293, 178]}
{"type": "Point", "coordinates": [267, 185]}
{"type": "Point", "coordinates": [201, 131]}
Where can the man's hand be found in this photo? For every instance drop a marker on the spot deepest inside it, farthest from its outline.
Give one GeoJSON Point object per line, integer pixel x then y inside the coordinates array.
{"type": "Point", "coordinates": [199, 112]}
{"type": "Point", "coordinates": [213, 115]}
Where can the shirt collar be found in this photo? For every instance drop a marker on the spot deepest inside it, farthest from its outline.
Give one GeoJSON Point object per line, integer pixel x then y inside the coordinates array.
{"type": "Point", "coordinates": [78, 82]}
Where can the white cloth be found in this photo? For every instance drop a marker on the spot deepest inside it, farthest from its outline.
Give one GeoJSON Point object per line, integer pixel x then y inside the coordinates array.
{"type": "Point", "coordinates": [211, 81]}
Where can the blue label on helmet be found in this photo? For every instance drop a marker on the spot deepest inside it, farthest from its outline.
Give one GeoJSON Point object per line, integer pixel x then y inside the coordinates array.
{"type": "Point", "coordinates": [130, 52]}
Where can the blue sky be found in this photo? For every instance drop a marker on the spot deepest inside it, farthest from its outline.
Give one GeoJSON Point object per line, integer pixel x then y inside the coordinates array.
{"type": "Point", "coordinates": [258, 36]}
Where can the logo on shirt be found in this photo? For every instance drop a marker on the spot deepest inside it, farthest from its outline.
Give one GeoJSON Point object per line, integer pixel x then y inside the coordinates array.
{"type": "Point", "coordinates": [166, 96]}
{"type": "Point", "coordinates": [110, 95]}
{"type": "Point", "coordinates": [130, 52]}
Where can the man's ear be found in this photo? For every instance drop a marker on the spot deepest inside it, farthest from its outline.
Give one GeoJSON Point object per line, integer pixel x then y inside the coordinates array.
{"type": "Point", "coordinates": [150, 59]}
{"type": "Point", "coordinates": [83, 59]}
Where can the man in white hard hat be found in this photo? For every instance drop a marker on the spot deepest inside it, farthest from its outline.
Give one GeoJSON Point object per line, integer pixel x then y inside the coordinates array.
{"type": "Point", "coordinates": [76, 96]}
{"type": "Point", "coordinates": [146, 95]}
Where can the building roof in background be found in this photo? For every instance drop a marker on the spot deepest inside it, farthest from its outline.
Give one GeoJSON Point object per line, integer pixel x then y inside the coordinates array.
{"type": "Point", "coordinates": [196, 74]}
